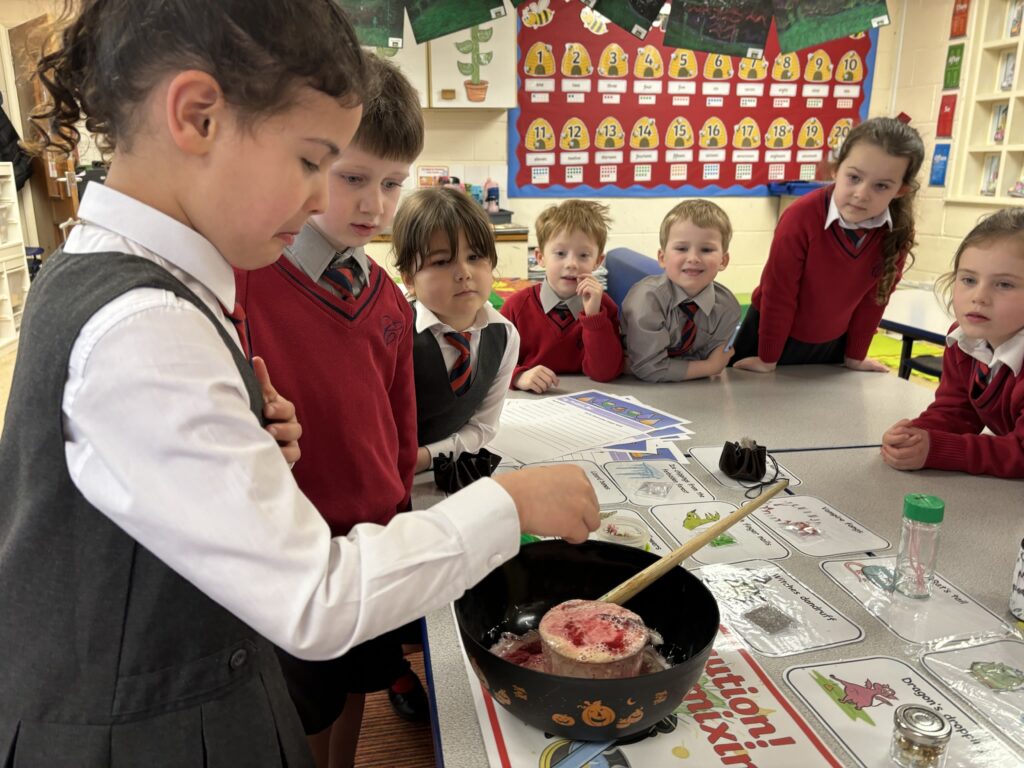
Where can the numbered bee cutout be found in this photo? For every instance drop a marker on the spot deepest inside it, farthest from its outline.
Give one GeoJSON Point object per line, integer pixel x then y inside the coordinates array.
{"type": "Point", "coordinates": [614, 61]}
{"type": "Point", "coordinates": [839, 131]}
{"type": "Point", "coordinates": [819, 67]}
{"type": "Point", "coordinates": [812, 134]}
{"type": "Point", "coordinates": [644, 134]}
{"type": "Point", "coordinates": [786, 67]}
{"type": "Point", "coordinates": [718, 66]}
{"type": "Point", "coordinates": [593, 21]}
{"type": "Point", "coordinates": [574, 135]}
{"type": "Point", "coordinates": [540, 137]}
{"type": "Point", "coordinates": [648, 64]}
{"type": "Point", "coordinates": [537, 14]}
{"type": "Point", "coordinates": [779, 134]}
{"type": "Point", "coordinates": [609, 134]}
{"type": "Point", "coordinates": [679, 134]}
{"type": "Point", "coordinates": [850, 68]}
{"type": "Point", "coordinates": [753, 69]}
{"type": "Point", "coordinates": [539, 61]}
{"type": "Point", "coordinates": [713, 134]}
{"type": "Point", "coordinates": [682, 64]}
{"type": "Point", "coordinates": [746, 134]}
{"type": "Point", "coordinates": [576, 61]}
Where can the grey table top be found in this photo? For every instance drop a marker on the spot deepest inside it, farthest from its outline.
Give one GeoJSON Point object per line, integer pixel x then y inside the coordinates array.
{"type": "Point", "coordinates": [983, 528]}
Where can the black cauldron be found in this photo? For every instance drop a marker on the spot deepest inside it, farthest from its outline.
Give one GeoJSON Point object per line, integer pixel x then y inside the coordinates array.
{"type": "Point", "coordinates": [515, 597]}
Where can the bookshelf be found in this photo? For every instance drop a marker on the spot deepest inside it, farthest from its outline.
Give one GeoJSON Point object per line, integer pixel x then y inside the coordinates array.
{"type": "Point", "coordinates": [13, 269]}
{"type": "Point", "coordinates": [992, 100]}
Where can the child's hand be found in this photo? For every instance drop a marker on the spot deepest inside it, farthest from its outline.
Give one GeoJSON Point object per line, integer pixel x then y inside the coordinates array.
{"type": "Point", "coordinates": [538, 379]}
{"type": "Point", "coordinates": [422, 460]}
{"type": "Point", "coordinates": [754, 364]}
{"type": "Point", "coordinates": [591, 290]}
{"type": "Point", "coordinates": [279, 413]}
{"type": "Point", "coordinates": [553, 501]}
{"type": "Point", "coordinates": [719, 358]}
{"type": "Point", "coordinates": [867, 364]}
{"type": "Point", "coordinates": [905, 447]}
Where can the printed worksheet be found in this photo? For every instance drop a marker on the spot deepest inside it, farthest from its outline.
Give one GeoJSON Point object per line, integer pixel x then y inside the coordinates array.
{"type": "Point", "coordinates": [815, 528]}
{"type": "Point", "coordinates": [855, 700]}
{"type": "Point", "coordinates": [605, 488]}
{"type": "Point", "coordinates": [746, 540]}
{"type": "Point", "coordinates": [774, 611]}
{"type": "Point", "coordinates": [627, 526]}
{"type": "Point", "coordinates": [707, 456]}
{"type": "Point", "coordinates": [646, 483]}
{"type": "Point", "coordinates": [948, 612]}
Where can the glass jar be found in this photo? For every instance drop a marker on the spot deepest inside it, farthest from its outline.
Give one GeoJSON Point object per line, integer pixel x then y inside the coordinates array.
{"type": "Point", "coordinates": [919, 737]}
{"type": "Point", "coordinates": [919, 544]}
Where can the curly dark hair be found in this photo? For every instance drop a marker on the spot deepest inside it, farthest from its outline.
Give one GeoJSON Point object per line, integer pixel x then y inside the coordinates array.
{"type": "Point", "coordinates": [898, 139]}
{"type": "Point", "coordinates": [104, 57]}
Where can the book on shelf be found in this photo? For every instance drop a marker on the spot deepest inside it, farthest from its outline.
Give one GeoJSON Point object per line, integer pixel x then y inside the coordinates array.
{"type": "Point", "coordinates": [990, 175]}
{"type": "Point", "coordinates": [1007, 65]}
{"type": "Point", "coordinates": [999, 114]}
{"type": "Point", "coordinates": [1014, 17]}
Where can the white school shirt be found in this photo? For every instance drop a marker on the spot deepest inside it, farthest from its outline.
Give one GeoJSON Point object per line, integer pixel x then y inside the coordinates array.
{"type": "Point", "coordinates": [483, 425]}
{"type": "Point", "coordinates": [161, 439]}
{"type": "Point", "coordinates": [1010, 353]}
{"type": "Point", "coordinates": [882, 219]}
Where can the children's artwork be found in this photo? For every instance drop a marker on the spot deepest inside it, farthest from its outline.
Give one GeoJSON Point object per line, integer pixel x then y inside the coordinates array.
{"type": "Point", "coordinates": [990, 175]}
{"type": "Point", "coordinates": [998, 132]}
{"type": "Point", "coordinates": [604, 114]}
{"type": "Point", "coordinates": [623, 411]}
{"type": "Point", "coordinates": [627, 526]}
{"type": "Point", "coordinates": [954, 64]}
{"type": "Point", "coordinates": [735, 27]}
{"type": "Point", "coordinates": [948, 612]}
{"type": "Point", "coordinates": [802, 24]}
{"type": "Point", "coordinates": [989, 676]}
{"type": "Point", "coordinates": [647, 483]}
{"type": "Point", "coordinates": [1015, 14]}
{"type": "Point", "coordinates": [634, 16]}
{"type": "Point", "coordinates": [605, 488]}
{"type": "Point", "coordinates": [855, 700]}
{"type": "Point", "coordinates": [961, 12]}
{"type": "Point", "coordinates": [707, 456]}
{"type": "Point", "coordinates": [775, 613]}
{"type": "Point", "coordinates": [744, 541]}
{"type": "Point", "coordinates": [947, 110]}
{"type": "Point", "coordinates": [815, 528]}
{"type": "Point", "coordinates": [378, 23]}
{"type": "Point", "coordinates": [431, 19]}
{"type": "Point", "coordinates": [1007, 67]}
{"type": "Point", "coordinates": [734, 710]}
{"type": "Point", "coordinates": [940, 161]}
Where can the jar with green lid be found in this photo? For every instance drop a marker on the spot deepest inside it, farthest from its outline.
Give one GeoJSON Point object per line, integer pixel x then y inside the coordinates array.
{"type": "Point", "coordinates": [919, 737]}
{"type": "Point", "coordinates": [919, 544]}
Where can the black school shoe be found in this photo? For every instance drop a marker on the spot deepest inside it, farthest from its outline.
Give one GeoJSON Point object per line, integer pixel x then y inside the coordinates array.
{"type": "Point", "coordinates": [412, 705]}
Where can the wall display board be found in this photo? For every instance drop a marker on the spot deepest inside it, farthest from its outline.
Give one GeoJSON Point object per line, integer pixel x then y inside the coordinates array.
{"type": "Point", "coordinates": [602, 113]}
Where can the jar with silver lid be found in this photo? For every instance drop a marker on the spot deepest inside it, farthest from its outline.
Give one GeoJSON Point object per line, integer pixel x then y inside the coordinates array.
{"type": "Point", "coordinates": [919, 737]}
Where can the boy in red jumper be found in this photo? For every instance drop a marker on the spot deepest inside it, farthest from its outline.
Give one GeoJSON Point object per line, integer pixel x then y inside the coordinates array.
{"type": "Point", "coordinates": [566, 323]}
{"type": "Point", "coordinates": [981, 385]}
{"type": "Point", "coordinates": [338, 333]}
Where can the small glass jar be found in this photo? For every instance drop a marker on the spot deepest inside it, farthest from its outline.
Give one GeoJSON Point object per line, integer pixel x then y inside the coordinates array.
{"type": "Point", "coordinates": [919, 544]}
{"type": "Point", "coordinates": [919, 737]}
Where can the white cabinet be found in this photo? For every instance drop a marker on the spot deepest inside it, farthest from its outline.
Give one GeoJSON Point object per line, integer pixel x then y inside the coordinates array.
{"type": "Point", "coordinates": [13, 269]}
{"type": "Point", "coordinates": [475, 67]}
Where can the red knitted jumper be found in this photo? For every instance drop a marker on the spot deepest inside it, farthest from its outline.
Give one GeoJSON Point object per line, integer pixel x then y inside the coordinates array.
{"type": "Point", "coordinates": [347, 366]}
{"type": "Point", "coordinates": [954, 420]}
{"type": "Point", "coordinates": [817, 285]}
{"type": "Point", "coordinates": [590, 343]}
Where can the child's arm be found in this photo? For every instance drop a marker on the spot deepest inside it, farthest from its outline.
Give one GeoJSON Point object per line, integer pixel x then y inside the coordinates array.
{"type": "Point", "coordinates": [279, 413]}
{"type": "Point", "coordinates": [602, 340]}
{"type": "Point", "coordinates": [780, 287]}
{"type": "Point", "coordinates": [402, 395]}
{"type": "Point", "coordinates": [529, 378]}
{"type": "Point", "coordinates": [648, 338]}
{"type": "Point", "coordinates": [719, 356]}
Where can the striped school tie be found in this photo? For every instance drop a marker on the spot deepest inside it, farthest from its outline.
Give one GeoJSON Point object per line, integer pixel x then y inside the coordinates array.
{"type": "Point", "coordinates": [346, 276]}
{"type": "Point", "coordinates": [562, 315]}
{"type": "Point", "coordinates": [241, 323]}
{"type": "Point", "coordinates": [854, 235]}
{"type": "Point", "coordinates": [689, 333]}
{"type": "Point", "coordinates": [981, 379]}
{"type": "Point", "coordinates": [462, 371]}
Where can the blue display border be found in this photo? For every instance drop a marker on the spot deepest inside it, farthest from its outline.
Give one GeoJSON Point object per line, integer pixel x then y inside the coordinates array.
{"type": "Point", "coordinates": [662, 190]}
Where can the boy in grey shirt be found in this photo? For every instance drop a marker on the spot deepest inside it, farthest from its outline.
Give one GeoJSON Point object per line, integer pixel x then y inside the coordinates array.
{"type": "Point", "coordinates": [677, 324]}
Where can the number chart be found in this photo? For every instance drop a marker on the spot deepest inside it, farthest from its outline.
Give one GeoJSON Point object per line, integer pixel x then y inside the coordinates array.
{"type": "Point", "coordinates": [602, 113]}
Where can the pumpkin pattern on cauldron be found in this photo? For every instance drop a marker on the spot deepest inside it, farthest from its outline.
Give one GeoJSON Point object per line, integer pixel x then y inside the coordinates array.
{"type": "Point", "coordinates": [519, 692]}
{"type": "Point", "coordinates": [503, 697]}
{"type": "Point", "coordinates": [567, 720]}
{"type": "Point", "coordinates": [634, 717]}
{"type": "Point", "coordinates": [659, 697]}
{"type": "Point", "coordinates": [597, 714]}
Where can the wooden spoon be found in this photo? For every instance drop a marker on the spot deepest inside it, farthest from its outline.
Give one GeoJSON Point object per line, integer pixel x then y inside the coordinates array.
{"type": "Point", "coordinates": [655, 571]}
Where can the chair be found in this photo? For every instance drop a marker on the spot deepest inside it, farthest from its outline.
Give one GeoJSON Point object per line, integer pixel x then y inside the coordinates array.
{"type": "Point", "coordinates": [625, 267]}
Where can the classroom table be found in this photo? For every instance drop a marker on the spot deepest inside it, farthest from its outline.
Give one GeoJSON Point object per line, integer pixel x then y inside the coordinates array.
{"type": "Point", "coordinates": [983, 527]}
{"type": "Point", "coordinates": [918, 315]}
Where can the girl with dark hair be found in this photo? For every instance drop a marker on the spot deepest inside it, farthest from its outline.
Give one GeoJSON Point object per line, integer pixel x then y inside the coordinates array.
{"type": "Point", "coordinates": [152, 535]}
{"type": "Point", "coordinates": [976, 423]}
{"type": "Point", "coordinates": [837, 255]}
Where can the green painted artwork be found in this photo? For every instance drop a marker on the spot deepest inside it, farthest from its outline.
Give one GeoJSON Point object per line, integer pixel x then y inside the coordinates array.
{"type": "Point", "coordinates": [378, 23]}
{"type": "Point", "coordinates": [431, 19]}
{"type": "Point", "coordinates": [804, 23]}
